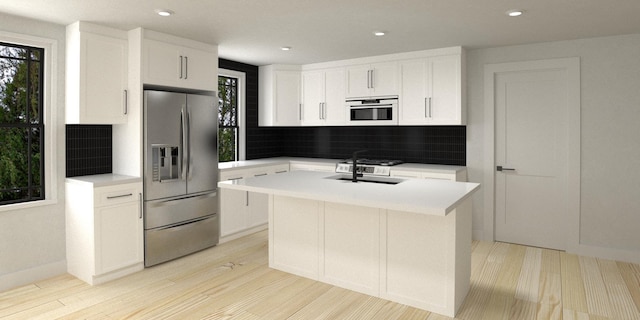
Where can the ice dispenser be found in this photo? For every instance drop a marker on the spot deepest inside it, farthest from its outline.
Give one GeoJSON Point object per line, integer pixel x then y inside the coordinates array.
{"type": "Point", "coordinates": [166, 164]}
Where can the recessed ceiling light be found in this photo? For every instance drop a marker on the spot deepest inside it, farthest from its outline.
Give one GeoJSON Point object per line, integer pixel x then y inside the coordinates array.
{"type": "Point", "coordinates": [285, 48]}
{"type": "Point", "coordinates": [164, 12]}
{"type": "Point", "coordinates": [379, 33]}
{"type": "Point", "coordinates": [514, 13]}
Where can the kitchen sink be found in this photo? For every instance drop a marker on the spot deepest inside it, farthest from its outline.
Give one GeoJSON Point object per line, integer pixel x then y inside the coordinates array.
{"type": "Point", "coordinates": [370, 179]}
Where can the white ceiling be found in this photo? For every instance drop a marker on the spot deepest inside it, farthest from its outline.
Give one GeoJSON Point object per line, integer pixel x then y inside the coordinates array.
{"type": "Point", "coordinates": [252, 31]}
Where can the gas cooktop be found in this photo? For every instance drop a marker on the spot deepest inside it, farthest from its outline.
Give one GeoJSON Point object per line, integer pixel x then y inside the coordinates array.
{"type": "Point", "coordinates": [374, 162]}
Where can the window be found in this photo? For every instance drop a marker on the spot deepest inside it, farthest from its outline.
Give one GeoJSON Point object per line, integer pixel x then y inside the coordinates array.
{"type": "Point", "coordinates": [230, 111]}
{"type": "Point", "coordinates": [21, 123]}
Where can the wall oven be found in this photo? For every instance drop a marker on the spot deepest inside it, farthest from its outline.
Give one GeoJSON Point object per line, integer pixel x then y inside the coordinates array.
{"type": "Point", "coordinates": [373, 111]}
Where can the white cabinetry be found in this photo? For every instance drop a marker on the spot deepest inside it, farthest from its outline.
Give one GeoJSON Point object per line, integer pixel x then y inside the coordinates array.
{"type": "Point", "coordinates": [104, 230]}
{"type": "Point", "coordinates": [96, 74]}
{"type": "Point", "coordinates": [243, 212]}
{"type": "Point", "coordinates": [323, 97]}
{"type": "Point", "coordinates": [279, 95]}
{"type": "Point", "coordinates": [177, 62]}
{"type": "Point", "coordinates": [431, 91]}
{"type": "Point", "coordinates": [453, 175]}
{"type": "Point", "coordinates": [378, 79]}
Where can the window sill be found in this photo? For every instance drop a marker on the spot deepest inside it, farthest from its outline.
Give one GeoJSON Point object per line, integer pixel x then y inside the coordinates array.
{"type": "Point", "coordinates": [27, 205]}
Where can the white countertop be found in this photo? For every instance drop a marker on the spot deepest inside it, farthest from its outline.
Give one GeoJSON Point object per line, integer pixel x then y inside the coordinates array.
{"type": "Point", "coordinates": [439, 168]}
{"type": "Point", "coordinates": [102, 180]}
{"type": "Point", "coordinates": [425, 196]}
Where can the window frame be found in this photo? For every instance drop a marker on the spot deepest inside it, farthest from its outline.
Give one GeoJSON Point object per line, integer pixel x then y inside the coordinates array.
{"type": "Point", "coordinates": [49, 116]}
{"type": "Point", "coordinates": [241, 76]}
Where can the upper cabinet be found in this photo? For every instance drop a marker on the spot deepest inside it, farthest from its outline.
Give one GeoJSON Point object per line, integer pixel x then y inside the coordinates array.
{"type": "Point", "coordinates": [430, 85]}
{"type": "Point", "coordinates": [181, 63]}
{"type": "Point", "coordinates": [279, 95]}
{"type": "Point", "coordinates": [377, 79]}
{"type": "Point", "coordinates": [96, 74]}
{"type": "Point", "coordinates": [323, 97]}
{"type": "Point", "coordinates": [431, 91]}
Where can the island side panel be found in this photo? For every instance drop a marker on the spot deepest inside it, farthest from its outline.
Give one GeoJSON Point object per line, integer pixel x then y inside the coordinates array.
{"type": "Point", "coordinates": [350, 247]}
{"type": "Point", "coordinates": [463, 252]}
{"type": "Point", "coordinates": [426, 259]}
{"type": "Point", "coordinates": [294, 226]}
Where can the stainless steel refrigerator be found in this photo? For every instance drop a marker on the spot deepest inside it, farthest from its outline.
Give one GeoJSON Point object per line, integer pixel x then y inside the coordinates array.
{"type": "Point", "coordinates": [180, 174]}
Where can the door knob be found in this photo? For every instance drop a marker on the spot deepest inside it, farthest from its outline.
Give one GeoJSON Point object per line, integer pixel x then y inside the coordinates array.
{"type": "Point", "coordinates": [500, 168]}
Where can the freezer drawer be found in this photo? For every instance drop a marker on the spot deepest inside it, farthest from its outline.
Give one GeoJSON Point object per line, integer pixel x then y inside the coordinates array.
{"type": "Point", "coordinates": [170, 242]}
{"type": "Point", "coordinates": [158, 213]}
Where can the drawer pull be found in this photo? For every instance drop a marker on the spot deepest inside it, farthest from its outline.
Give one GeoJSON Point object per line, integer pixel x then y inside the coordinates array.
{"type": "Point", "coordinates": [231, 179]}
{"type": "Point", "coordinates": [120, 196]}
{"type": "Point", "coordinates": [260, 175]}
{"type": "Point", "coordinates": [283, 171]}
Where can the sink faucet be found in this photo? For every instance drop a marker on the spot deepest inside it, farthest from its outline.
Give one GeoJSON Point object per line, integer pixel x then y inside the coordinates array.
{"type": "Point", "coordinates": [355, 165]}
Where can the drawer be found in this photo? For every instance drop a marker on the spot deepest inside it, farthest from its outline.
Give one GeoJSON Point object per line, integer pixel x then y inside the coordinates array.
{"type": "Point", "coordinates": [231, 175]}
{"type": "Point", "coordinates": [106, 196]}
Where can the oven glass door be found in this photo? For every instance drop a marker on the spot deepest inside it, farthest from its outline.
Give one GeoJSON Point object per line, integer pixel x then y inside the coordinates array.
{"type": "Point", "coordinates": [371, 113]}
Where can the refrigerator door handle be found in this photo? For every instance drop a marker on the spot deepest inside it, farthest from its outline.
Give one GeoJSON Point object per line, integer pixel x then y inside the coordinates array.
{"type": "Point", "coordinates": [183, 127]}
{"type": "Point", "coordinates": [190, 164]}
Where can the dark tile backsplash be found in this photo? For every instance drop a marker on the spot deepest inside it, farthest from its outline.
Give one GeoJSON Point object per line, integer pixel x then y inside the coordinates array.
{"type": "Point", "coordinates": [89, 149]}
{"type": "Point", "coordinates": [421, 144]}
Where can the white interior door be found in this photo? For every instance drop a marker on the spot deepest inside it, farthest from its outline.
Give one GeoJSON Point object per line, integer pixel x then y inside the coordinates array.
{"type": "Point", "coordinates": [531, 117]}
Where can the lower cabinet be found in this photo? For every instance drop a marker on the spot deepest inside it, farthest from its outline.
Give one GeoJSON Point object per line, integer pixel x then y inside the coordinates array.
{"type": "Point", "coordinates": [243, 212]}
{"type": "Point", "coordinates": [104, 230]}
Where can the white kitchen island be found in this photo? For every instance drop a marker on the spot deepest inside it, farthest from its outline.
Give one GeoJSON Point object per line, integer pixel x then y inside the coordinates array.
{"type": "Point", "coordinates": [408, 242]}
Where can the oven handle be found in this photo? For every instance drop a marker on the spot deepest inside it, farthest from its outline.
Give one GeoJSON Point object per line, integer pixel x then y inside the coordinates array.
{"type": "Point", "coordinates": [370, 106]}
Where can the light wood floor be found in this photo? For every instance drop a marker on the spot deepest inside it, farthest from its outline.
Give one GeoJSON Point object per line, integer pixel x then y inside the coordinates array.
{"type": "Point", "coordinates": [232, 281]}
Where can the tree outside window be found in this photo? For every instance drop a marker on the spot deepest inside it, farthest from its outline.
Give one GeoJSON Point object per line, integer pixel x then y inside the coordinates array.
{"type": "Point", "coordinates": [228, 118]}
{"type": "Point", "coordinates": [21, 123]}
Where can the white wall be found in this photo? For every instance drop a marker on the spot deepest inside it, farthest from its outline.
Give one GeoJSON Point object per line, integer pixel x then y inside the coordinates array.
{"type": "Point", "coordinates": [32, 241]}
{"type": "Point", "coordinates": [610, 134]}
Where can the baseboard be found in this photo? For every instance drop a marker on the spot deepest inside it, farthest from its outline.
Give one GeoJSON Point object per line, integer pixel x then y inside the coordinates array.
{"type": "Point", "coordinates": [31, 275]}
{"type": "Point", "coordinates": [243, 233]}
{"type": "Point", "coordinates": [608, 253]}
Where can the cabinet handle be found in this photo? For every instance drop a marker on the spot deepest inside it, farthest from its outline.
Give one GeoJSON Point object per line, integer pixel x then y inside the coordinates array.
{"type": "Point", "coordinates": [425, 107]}
{"type": "Point", "coordinates": [180, 67]}
{"type": "Point", "coordinates": [259, 174]}
{"type": "Point", "coordinates": [125, 98]}
{"type": "Point", "coordinates": [283, 171]}
{"type": "Point", "coordinates": [120, 196]}
{"type": "Point", "coordinates": [246, 197]}
{"type": "Point", "coordinates": [430, 115]}
{"type": "Point", "coordinates": [320, 110]}
{"type": "Point", "coordinates": [186, 67]}
{"type": "Point", "coordinates": [500, 168]}
{"type": "Point", "coordinates": [372, 80]}
{"type": "Point", "coordinates": [300, 112]}
{"type": "Point", "coordinates": [368, 79]}
{"type": "Point", "coordinates": [231, 179]}
{"type": "Point", "coordinates": [140, 204]}
{"type": "Point", "coordinates": [324, 110]}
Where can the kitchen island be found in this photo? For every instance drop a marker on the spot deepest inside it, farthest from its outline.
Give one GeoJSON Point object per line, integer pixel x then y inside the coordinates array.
{"type": "Point", "coordinates": [408, 242]}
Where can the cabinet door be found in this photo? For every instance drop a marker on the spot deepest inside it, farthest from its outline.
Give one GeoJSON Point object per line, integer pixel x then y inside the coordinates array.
{"type": "Point", "coordinates": [313, 93]}
{"type": "Point", "coordinates": [384, 78]}
{"type": "Point", "coordinates": [200, 69]}
{"type": "Point", "coordinates": [257, 209]}
{"type": "Point", "coordinates": [444, 89]}
{"type": "Point", "coordinates": [335, 108]}
{"type": "Point", "coordinates": [413, 97]}
{"type": "Point", "coordinates": [287, 98]}
{"type": "Point", "coordinates": [118, 236]}
{"type": "Point", "coordinates": [97, 81]}
{"type": "Point", "coordinates": [358, 83]}
{"type": "Point", "coordinates": [233, 217]}
{"type": "Point", "coordinates": [161, 62]}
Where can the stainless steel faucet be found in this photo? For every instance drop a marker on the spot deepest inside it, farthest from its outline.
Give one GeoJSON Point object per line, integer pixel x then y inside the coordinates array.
{"type": "Point", "coordinates": [355, 166]}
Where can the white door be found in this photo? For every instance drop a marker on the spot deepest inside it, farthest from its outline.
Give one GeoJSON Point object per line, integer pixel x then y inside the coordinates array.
{"type": "Point", "coordinates": [531, 191]}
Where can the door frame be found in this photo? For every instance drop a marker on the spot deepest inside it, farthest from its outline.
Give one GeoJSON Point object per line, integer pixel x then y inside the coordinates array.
{"type": "Point", "coordinates": [572, 69]}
